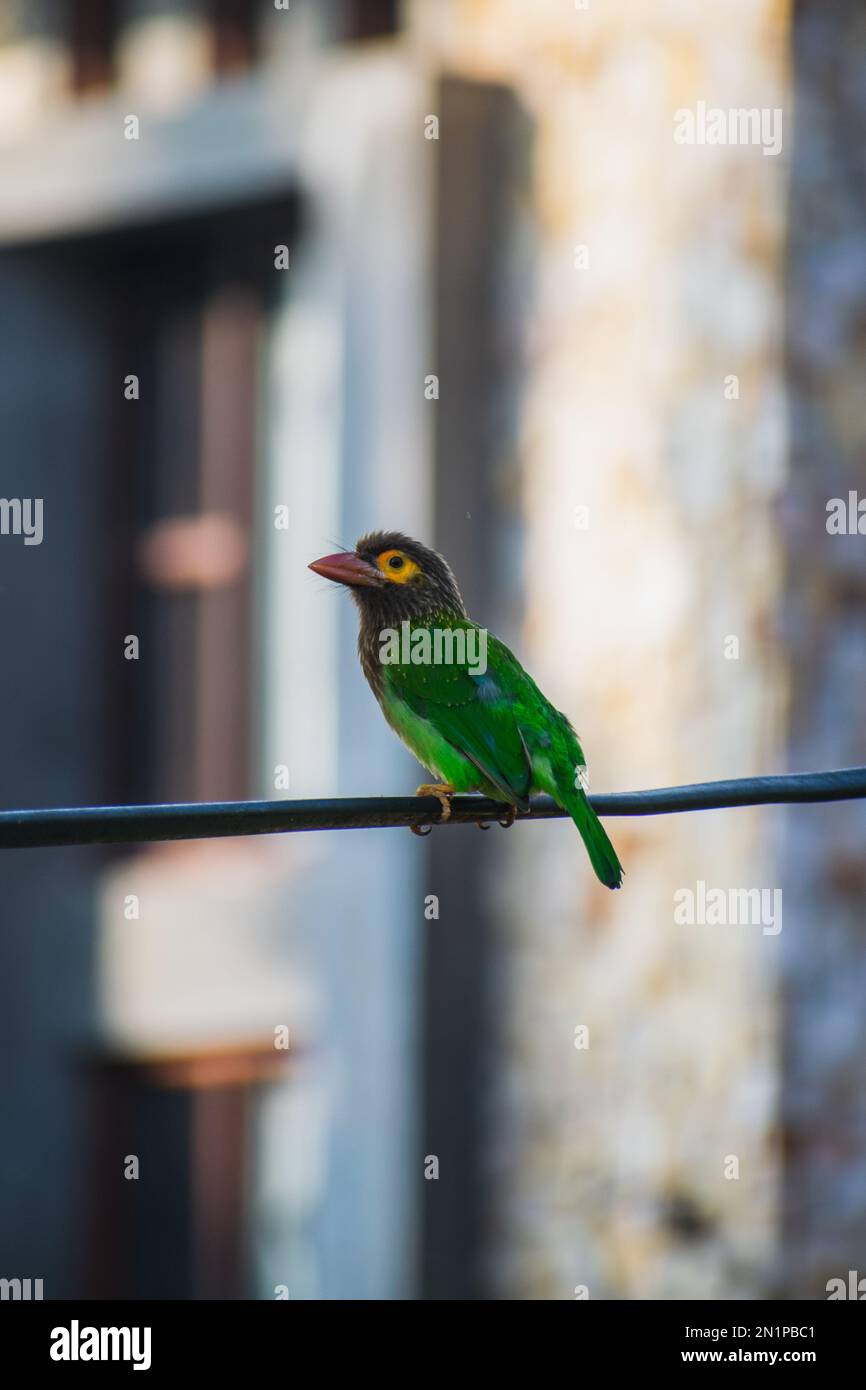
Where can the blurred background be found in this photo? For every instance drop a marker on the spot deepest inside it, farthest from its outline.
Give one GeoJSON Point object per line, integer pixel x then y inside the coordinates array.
{"type": "Point", "coordinates": [271, 276]}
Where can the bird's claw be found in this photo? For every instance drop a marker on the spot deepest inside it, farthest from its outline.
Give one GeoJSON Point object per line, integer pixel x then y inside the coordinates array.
{"type": "Point", "coordinates": [505, 821]}
{"type": "Point", "coordinates": [443, 794]}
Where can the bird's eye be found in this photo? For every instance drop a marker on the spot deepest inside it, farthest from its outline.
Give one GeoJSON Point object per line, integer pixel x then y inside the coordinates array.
{"type": "Point", "coordinates": [397, 567]}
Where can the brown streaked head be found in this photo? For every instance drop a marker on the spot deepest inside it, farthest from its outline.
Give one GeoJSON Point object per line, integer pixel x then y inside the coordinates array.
{"type": "Point", "coordinates": [392, 577]}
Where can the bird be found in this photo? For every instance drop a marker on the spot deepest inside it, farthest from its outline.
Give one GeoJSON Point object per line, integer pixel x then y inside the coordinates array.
{"type": "Point", "coordinates": [477, 721]}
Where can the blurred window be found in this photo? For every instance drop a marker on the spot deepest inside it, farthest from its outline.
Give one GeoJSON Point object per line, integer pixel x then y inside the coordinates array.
{"type": "Point", "coordinates": [185, 304]}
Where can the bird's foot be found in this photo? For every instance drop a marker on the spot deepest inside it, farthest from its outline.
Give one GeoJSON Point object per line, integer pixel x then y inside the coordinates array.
{"type": "Point", "coordinates": [505, 821]}
{"type": "Point", "coordinates": [443, 793]}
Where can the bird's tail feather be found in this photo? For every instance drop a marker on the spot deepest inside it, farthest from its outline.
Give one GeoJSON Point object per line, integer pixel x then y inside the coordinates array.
{"type": "Point", "coordinates": [602, 854]}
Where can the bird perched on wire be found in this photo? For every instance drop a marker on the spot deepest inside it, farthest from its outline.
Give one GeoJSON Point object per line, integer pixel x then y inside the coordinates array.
{"type": "Point", "coordinates": [455, 694]}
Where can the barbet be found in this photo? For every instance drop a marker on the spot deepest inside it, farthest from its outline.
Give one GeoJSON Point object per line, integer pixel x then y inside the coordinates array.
{"type": "Point", "coordinates": [457, 697]}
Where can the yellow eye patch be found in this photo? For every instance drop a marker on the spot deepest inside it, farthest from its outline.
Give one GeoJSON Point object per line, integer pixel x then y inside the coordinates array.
{"type": "Point", "coordinates": [397, 567]}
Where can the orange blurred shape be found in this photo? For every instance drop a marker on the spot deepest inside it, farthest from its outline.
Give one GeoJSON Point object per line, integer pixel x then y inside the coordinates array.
{"type": "Point", "coordinates": [193, 552]}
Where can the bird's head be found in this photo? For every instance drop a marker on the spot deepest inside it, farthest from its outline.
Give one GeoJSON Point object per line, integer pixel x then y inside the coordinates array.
{"type": "Point", "coordinates": [392, 577]}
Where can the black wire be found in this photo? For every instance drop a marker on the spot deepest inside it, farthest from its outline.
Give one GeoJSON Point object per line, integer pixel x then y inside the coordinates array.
{"type": "Point", "coordinates": [87, 825]}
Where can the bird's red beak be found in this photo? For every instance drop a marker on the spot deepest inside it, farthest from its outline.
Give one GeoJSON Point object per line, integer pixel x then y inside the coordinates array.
{"type": "Point", "coordinates": [347, 568]}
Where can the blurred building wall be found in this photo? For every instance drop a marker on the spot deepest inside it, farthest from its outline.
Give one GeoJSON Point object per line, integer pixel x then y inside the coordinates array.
{"type": "Point", "coordinates": [233, 940]}
{"type": "Point", "coordinates": [650, 539]}
{"type": "Point", "coordinates": [824, 1099]}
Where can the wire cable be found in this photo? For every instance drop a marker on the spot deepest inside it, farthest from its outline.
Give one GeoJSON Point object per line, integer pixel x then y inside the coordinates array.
{"type": "Point", "coordinates": [89, 825]}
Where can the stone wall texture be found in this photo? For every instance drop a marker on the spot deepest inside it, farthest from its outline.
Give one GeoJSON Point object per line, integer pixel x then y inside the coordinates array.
{"type": "Point", "coordinates": [655, 468]}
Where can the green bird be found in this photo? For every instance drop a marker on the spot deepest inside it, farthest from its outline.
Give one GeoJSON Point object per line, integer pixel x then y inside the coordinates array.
{"type": "Point", "coordinates": [457, 697]}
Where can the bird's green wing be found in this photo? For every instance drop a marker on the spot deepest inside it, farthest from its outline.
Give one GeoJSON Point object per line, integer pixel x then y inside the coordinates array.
{"type": "Point", "coordinates": [478, 714]}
